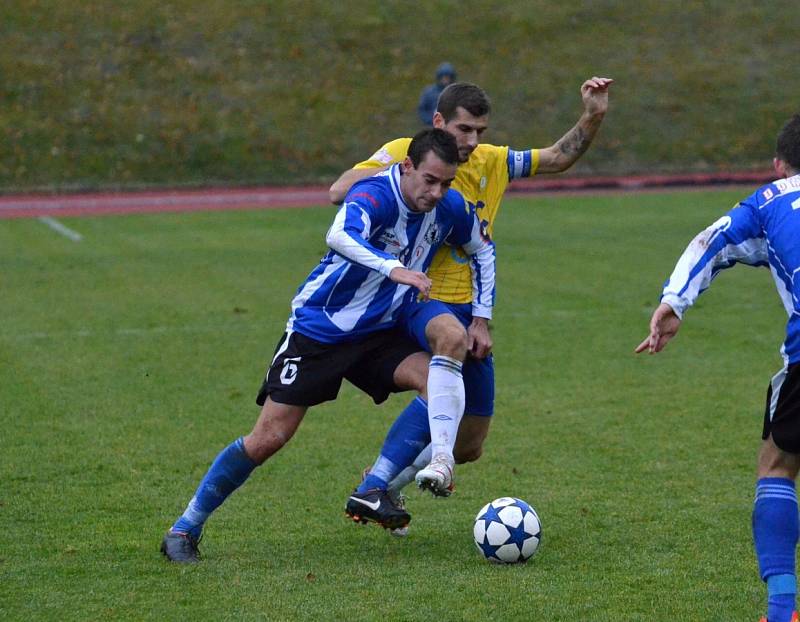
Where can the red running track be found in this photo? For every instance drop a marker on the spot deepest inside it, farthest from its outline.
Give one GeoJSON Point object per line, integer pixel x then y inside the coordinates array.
{"type": "Point", "coordinates": [134, 202]}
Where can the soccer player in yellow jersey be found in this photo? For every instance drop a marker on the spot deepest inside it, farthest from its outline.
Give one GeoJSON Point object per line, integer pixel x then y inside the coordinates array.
{"type": "Point", "coordinates": [483, 175]}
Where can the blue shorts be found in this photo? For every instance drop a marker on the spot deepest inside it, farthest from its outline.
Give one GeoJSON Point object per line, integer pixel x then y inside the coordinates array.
{"type": "Point", "coordinates": [478, 373]}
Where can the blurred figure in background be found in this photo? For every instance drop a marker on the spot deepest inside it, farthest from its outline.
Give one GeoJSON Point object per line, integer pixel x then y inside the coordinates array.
{"type": "Point", "coordinates": [445, 74]}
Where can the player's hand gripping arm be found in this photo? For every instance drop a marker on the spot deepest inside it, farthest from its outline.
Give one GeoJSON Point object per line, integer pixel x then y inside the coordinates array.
{"type": "Point", "coordinates": [341, 186]}
{"type": "Point", "coordinates": [663, 326]}
{"type": "Point", "coordinates": [572, 145]}
{"type": "Point", "coordinates": [479, 337]}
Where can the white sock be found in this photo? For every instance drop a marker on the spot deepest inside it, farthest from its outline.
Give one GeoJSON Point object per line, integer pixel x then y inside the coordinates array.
{"type": "Point", "coordinates": [445, 402]}
{"type": "Point", "coordinates": [407, 475]}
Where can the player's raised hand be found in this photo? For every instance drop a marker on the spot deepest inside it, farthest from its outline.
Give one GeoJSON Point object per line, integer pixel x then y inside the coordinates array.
{"type": "Point", "coordinates": [663, 326]}
{"type": "Point", "coordinates": [415, 279]}
{"type": "Point", "coordinates": [594, 93]}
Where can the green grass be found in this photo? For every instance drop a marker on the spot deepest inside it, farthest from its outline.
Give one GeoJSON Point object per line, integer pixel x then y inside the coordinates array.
{"type": "Point", "coordinates": [98, 94]}
{"type": "Point", "coordinates": [128, 360]}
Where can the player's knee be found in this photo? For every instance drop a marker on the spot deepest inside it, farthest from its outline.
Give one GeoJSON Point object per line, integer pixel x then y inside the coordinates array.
{"type": "Point", "coordinates": [780, 454]}
{"type": "Point", "coordinates": [448, 338]}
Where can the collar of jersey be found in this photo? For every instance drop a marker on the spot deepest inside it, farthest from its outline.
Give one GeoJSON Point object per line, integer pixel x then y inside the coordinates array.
{"type": "Point", "coordinates": [394, 180]}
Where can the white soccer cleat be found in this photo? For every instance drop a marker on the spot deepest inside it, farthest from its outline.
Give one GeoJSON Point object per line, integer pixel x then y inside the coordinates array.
{"type": "Point", "coordinates": [437, 476]}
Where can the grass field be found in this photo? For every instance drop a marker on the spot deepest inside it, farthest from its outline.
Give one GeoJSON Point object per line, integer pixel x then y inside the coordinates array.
{"type": "Point", "coordinates": [129, 359]}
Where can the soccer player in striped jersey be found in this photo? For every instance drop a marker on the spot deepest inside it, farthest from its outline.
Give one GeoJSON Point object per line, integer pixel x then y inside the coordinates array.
{"type": "Point", "coordinates": [342, 324]}
{"type": "Point", "coordinates": [762, 230]}
{"type": "Point", "coordinates": [483, 175]}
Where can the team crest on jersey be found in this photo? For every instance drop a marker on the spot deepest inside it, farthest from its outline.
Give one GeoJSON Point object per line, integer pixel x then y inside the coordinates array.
{"type": "Point", "coordinates": [432, 234]}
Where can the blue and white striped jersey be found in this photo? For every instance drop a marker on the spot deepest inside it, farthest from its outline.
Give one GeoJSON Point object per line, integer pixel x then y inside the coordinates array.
{"type": "Point", "coordinates": [762, 230]}
{"type": "Point", "coordinates": [349, 294]}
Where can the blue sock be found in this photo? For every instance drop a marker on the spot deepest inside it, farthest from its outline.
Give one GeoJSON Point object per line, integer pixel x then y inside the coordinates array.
{"type": "Point", "coordinates": [408, 435]}
{"type": "Point", "coordinates": [775, 534]}
{"type": "Point", "coordinates": [379, 475]}
{"type": "Point", "coordinates": [229, 470]}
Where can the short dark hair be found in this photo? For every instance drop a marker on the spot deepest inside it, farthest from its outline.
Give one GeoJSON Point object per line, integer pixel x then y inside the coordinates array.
{"type": "Point", "coordinates": [470, 97]}
{"type": "Point", "coordinates": [788, 147]}
{"type": "Point", "coordinates": [442, 143]}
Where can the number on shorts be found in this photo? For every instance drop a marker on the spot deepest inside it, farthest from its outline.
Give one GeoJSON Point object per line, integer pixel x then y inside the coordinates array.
{"type": "Point", "coordinates": [289, 372]}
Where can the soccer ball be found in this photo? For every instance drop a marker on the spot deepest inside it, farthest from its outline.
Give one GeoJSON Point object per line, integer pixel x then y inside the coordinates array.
{"type": "Point", "coordinates": [507, 531]}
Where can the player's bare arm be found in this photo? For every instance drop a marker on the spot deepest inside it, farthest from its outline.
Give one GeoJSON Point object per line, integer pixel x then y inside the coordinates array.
{"type": "Point", "coordinates": [413, 278]}
{"type": "Point", "coordinates": [480, 339]}
{"type": "Point", "coordinates": [340, 187]}
{"type": "Point", "coordinates": [572, 145]}
{"type": "Point", "coordinates": [664, 326]}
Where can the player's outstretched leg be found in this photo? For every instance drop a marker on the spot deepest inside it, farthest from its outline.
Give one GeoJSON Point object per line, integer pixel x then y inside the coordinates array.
{"type": "Point", "coordinates": [229, 470]}
{"type": "Point", "coordinates": [275, 426]}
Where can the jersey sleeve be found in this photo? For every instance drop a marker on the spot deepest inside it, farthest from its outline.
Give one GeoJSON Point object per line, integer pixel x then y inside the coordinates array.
{"type": "Point", "coordinates": [735, 238]}
{"type": "Point", "coordinates": [359, 216]}
{"type": "Point", "coordinates": [392, 152]}
{"type": "Point", "coordinates": [471, 236]}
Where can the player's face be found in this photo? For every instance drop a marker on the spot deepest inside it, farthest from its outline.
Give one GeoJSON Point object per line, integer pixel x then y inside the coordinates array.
{"type": "Point", "coordinates": [424, 186]}
{"type": "Point", "coordinates": [466, 128]}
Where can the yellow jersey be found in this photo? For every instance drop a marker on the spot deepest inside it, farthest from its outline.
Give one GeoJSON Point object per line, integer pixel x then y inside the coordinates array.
{"type": "Point", "coordinates": [482, 180]}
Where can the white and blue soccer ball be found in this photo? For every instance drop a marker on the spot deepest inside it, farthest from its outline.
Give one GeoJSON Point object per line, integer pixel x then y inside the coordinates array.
{"type": "Point", "coordinates": [507, 531]}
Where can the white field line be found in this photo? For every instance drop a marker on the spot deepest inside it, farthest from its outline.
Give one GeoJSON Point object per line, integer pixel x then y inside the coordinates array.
{"type": "Point", "coordinates": [133, 201]}
{"type": "Point", "coordinates": [59, 228]}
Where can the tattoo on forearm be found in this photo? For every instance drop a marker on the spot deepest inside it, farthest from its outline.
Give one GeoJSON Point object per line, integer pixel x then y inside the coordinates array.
{"type": "Point", "coordinates": [574, 143]}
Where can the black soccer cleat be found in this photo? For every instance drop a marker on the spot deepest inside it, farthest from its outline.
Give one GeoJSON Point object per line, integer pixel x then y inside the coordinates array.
{"type": "Point", "coordinates": [180, 547]}
{"type": "Point", "coordinates": [376, 506]}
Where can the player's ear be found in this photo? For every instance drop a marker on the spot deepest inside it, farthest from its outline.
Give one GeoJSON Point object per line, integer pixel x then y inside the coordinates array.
{"type": "Point", "coordinates": [438, 120]}
{"type": "Point", "coordinates": [407, 165]}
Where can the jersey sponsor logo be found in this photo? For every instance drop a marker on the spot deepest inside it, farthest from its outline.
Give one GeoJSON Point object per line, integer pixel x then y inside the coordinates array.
{"type": "Point", "coordinates": [483, 183]}
{"type": "Point", "coordinates": [390, 240]}
{"type": "Point", "coordinates": [289, 371]}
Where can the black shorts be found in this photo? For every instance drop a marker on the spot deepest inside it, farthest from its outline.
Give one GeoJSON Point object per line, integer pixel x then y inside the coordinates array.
{"type": "Point", "coordinates": [782, 414]}
{"type": "Point", "coordinates": [305, 372]}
